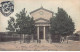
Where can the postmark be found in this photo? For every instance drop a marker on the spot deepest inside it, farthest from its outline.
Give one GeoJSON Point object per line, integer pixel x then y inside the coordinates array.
{"type": "Point", "coordinates": [7, 7]}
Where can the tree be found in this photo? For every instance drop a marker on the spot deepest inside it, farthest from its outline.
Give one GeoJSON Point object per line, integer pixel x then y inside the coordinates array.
{"type": "Point", "coordinates": [62, 24]}
{"type": "Point", "coordinates": [11, 25]}
{"type": "Point", "coordinates": [22, 25]}
{"type": "Point", "coordinates": [21, 21]}
{"type": "Point", "coordinates": [32, 27]}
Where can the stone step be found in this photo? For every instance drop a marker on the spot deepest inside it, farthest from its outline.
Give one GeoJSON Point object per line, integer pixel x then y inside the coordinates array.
{"type": "Point", "coordinates": [44, 41]}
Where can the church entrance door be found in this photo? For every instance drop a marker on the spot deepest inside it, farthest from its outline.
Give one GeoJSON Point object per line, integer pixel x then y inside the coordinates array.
{"type": "Point", "coordinates": [41, 35]}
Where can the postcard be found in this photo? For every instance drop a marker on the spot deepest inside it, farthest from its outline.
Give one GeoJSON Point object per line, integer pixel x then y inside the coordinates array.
{"type": "Point", "coordinates": [39, 25]}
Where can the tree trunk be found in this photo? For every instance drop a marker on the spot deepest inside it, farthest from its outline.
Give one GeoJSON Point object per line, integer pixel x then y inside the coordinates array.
{"type": "Point", "coordinates": [67, 39]}
{"type": "Point", "coordinates": [60, 39]}
{"type": "Point", "coordinates": [32, 38]}
{"type": "Point", "coordinates": [20, 38]}
{"type": "Point", "coordinates": [23, 38]}
{"type": "Point", "coordinates": [13, 36]}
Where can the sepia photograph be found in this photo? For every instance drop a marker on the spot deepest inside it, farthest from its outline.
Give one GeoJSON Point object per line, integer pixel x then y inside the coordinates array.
{"type": "Point", "coordinates": [39, 25]}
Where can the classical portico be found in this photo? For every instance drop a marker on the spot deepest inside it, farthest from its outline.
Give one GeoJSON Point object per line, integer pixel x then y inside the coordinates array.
{"type": "Point", "coordinates": [42, 33]}
{"type": "Point", "coordinates": [42, 22]}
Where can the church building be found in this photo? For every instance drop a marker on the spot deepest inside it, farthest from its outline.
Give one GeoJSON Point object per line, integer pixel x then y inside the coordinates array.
{"type": "Point", "coordinates": [42, 22]}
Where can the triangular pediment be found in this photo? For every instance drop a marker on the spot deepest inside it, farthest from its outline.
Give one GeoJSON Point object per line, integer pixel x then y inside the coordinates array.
{"type": "Point", "coordinates": [41, 9]}
{"type": "Point", "coordinates": [41, 20]}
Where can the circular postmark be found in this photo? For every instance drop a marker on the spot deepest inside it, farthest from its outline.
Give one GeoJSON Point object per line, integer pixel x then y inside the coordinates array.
{"type": "Point", "coordinates": [7, 8]}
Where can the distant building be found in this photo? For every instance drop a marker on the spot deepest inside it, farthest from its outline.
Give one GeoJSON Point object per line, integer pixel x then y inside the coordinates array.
{"type": "Point", "coordinates": [78, 32]}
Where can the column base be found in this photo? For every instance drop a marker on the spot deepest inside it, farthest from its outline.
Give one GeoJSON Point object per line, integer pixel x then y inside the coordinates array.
{"type": "Point", "coordinates": [44, 41]}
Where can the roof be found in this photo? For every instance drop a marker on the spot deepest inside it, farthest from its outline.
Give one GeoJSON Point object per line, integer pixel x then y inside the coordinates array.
{"type": "Point", "coordinates": [39, 9]}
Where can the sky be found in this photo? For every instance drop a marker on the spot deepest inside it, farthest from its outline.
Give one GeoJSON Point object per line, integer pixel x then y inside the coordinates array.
{"type": "Point", "coordinates": [72, 7]}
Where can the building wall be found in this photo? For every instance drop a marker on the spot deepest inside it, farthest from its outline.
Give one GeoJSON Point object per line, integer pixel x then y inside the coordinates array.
{"type": "Point", "coordinates": [46, 15]}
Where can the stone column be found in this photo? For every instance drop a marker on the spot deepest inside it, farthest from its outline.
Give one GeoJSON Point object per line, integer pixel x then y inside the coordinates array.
{"type": "Point", "coordinates": [44, 32]}
{"type": "Point", "coordinates": [38, 32]}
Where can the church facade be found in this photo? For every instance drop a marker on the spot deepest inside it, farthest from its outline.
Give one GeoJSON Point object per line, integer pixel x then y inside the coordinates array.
{"type": "Point", "coordinates": [42, 22]}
